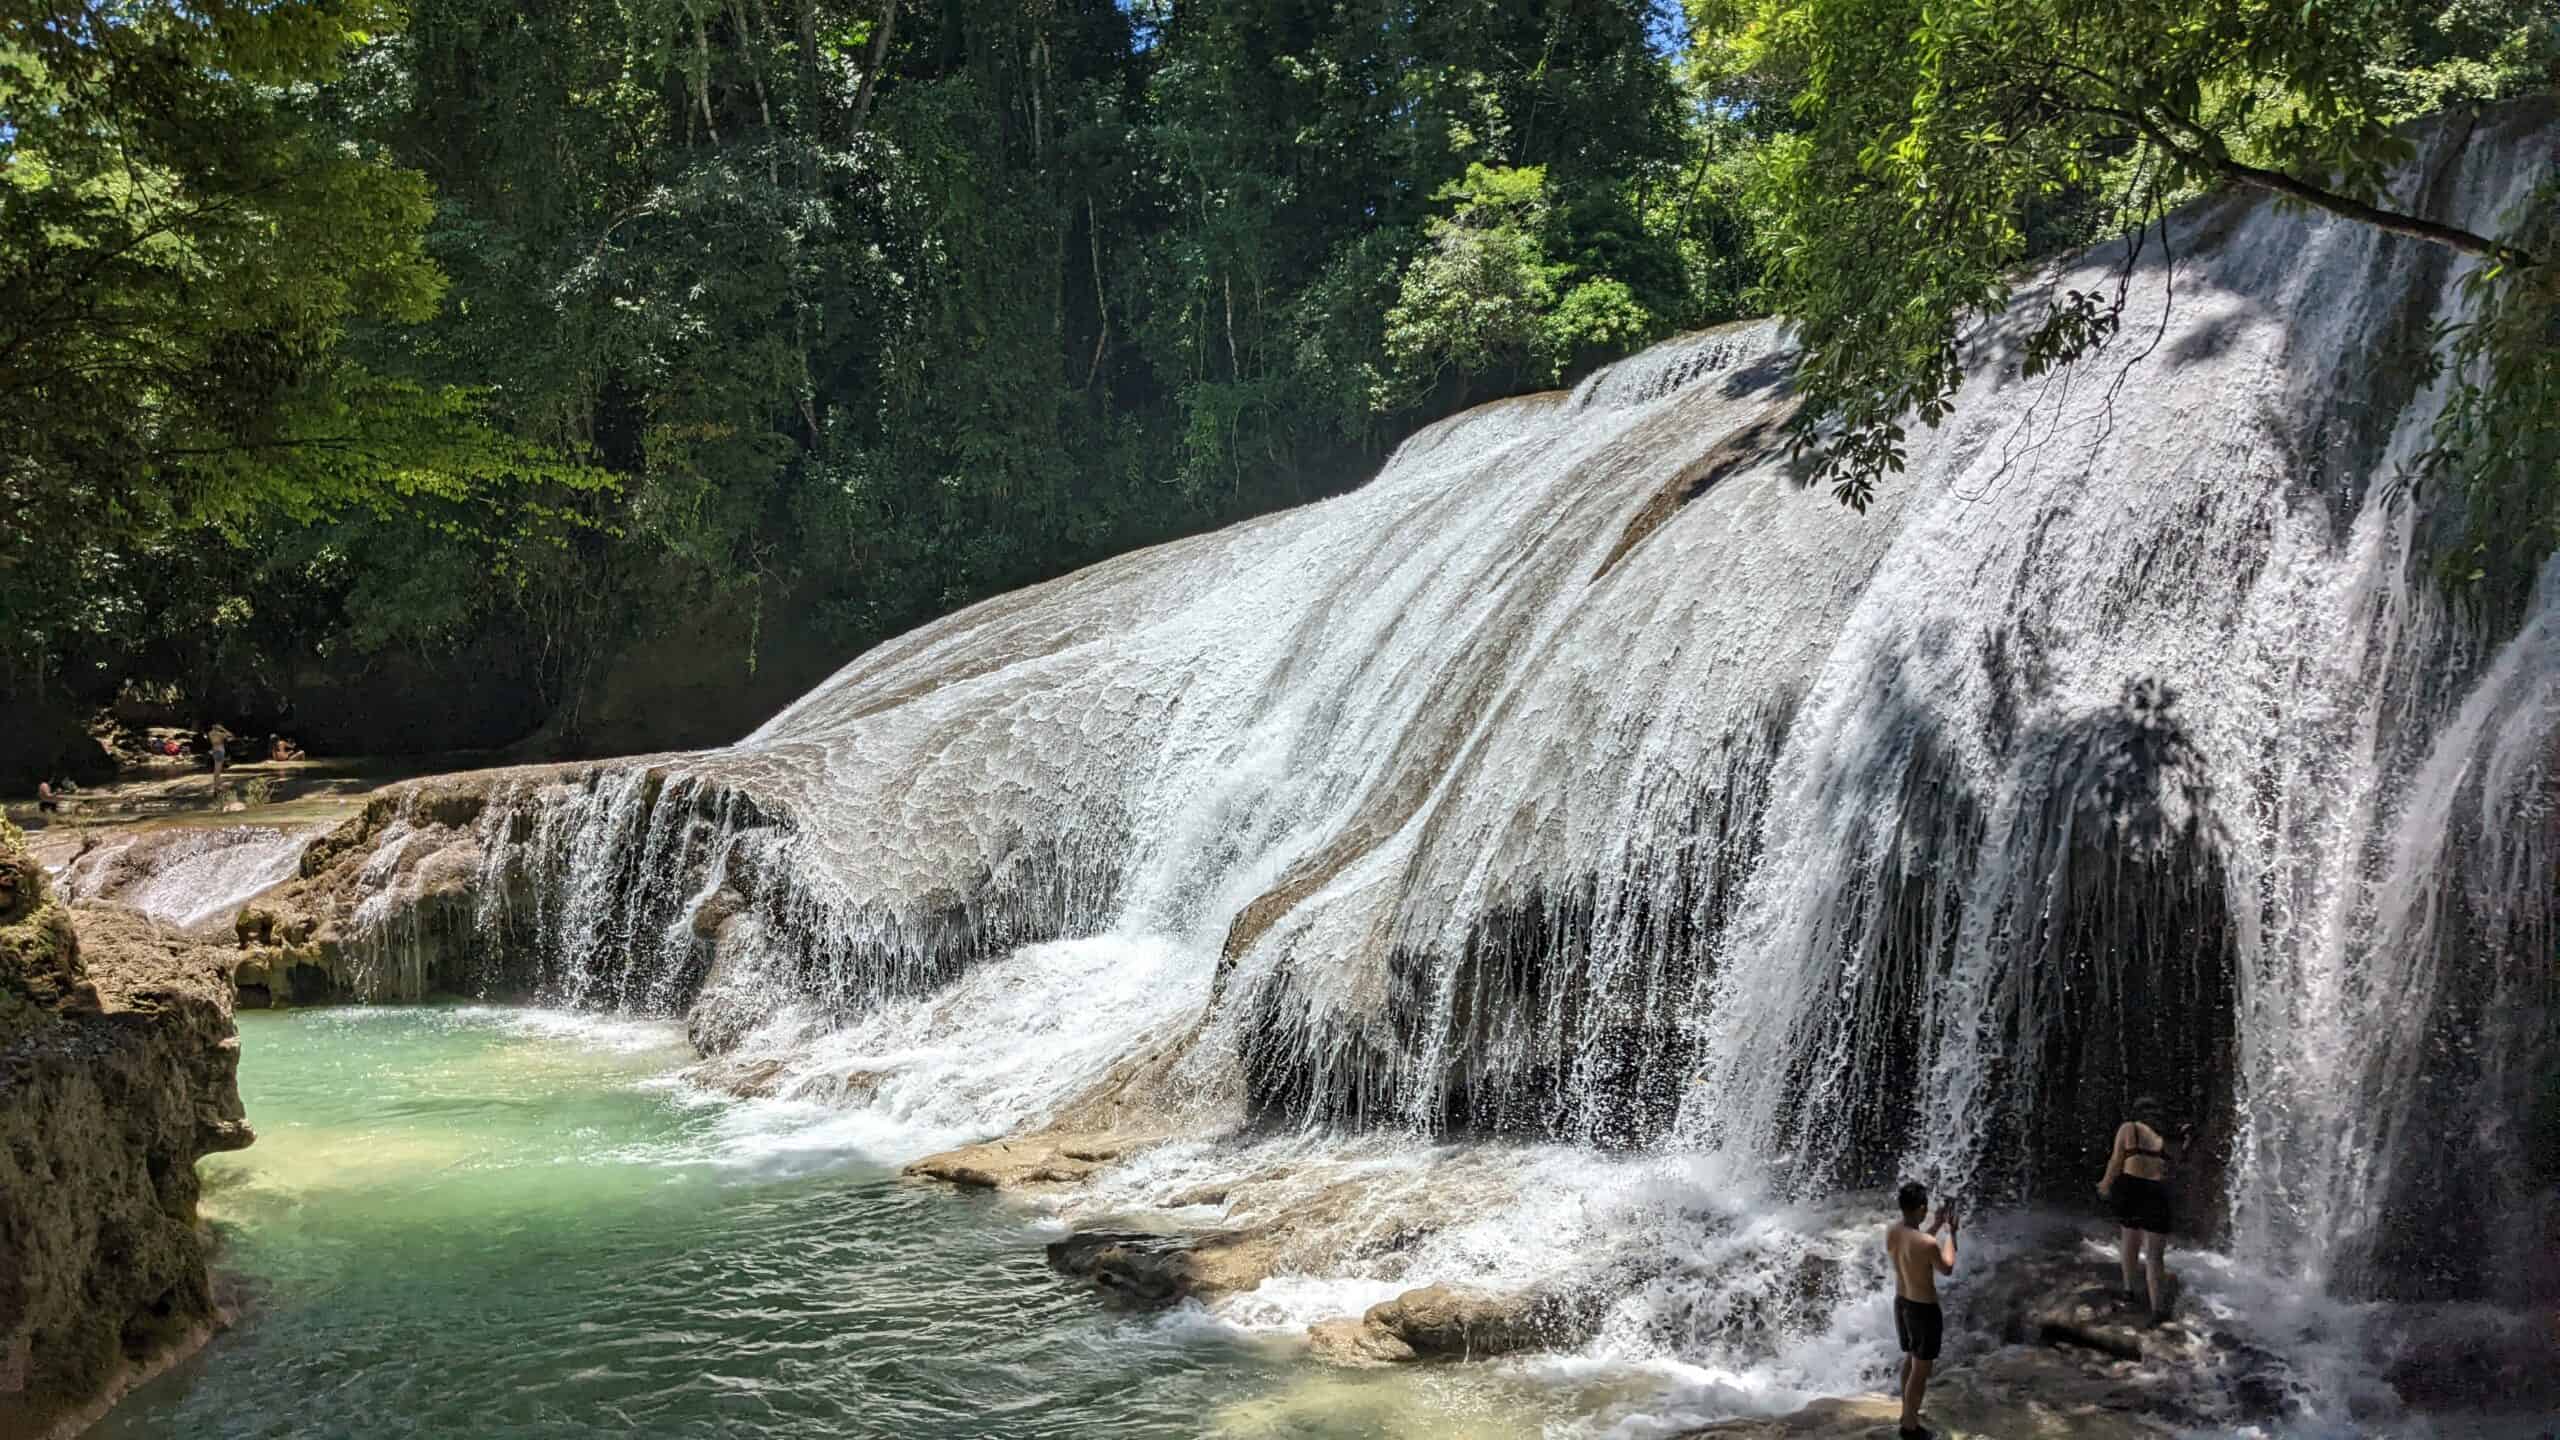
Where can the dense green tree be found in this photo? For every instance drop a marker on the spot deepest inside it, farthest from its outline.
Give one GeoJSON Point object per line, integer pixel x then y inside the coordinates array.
{"type": "Point", "coordinates": [185, 249]}
{"type": "Point", "coordinates": [869, 308]}
{"type": "Point", "coordinates": [1943, 138]}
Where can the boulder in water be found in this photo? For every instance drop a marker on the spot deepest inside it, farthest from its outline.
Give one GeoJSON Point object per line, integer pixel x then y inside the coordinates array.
{"type": "Point", "coordinates": [1158, 1269]}
{"type": "Point", "coordinates": [747, 1079]}
{"type": "Point", "coordinates": [1351, 1340]}
{"type": "Point", "coordinates": [1012, 1164]}
{"type": "Point", "coordinates": [2073, 1334]}
{"type": "Point", "coordinates": [1450, 1322]}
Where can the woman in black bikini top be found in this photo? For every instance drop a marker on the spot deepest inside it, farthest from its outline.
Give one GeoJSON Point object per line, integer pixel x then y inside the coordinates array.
{"type": "Point", "coordinates": [2141, 1201]}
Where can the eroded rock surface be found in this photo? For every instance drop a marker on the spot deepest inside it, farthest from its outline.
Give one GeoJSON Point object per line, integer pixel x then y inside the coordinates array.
{"type": "Point", "coordinates": [1019, 1162]}
{"type": "Point", "coordinates": [1158, 1269]}
{"type": "Point", "coordinates": [1452, 1322]}
{"type": "Point", "coordinates": [118, 1069]}
{"type": "Point", "coordinates": [2066, 1297]}
{"type": "Point", "coordinates": [1959, 1408]}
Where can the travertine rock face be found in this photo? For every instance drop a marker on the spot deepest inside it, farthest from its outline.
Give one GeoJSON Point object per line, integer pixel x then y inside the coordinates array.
{"type": "Point", "coordinates": [118, 1068]}
{"type": "Point", "coordinates": [1456, 1322]}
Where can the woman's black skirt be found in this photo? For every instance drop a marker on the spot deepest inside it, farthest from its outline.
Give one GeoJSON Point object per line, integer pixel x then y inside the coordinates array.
{"type": "Point", "coordinates": [2141, 1204]}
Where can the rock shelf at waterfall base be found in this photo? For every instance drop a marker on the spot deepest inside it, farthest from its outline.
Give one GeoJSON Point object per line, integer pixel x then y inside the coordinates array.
{"type": "Point", "coordinates": [117, 1072]}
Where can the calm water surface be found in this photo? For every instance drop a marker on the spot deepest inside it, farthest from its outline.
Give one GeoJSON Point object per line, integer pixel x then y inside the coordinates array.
{"type": "Point", "coordinates": [493, 1223]}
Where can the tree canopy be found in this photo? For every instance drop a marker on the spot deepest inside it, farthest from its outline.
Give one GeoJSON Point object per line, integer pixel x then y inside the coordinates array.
{"type": "Point", "coordinates": [386, 373]}
{"type": "Point", "coordinates": [1946, 141]}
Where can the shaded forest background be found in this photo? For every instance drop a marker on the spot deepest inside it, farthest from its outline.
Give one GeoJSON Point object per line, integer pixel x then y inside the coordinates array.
{"type": "Point", "coordinates": [815, 319]}
{"type": "Point", "coordinates": [592, 376]}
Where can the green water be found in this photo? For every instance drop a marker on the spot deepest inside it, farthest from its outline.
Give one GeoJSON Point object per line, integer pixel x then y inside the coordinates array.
{"type": "Point", "coordinates": [484, 1223]}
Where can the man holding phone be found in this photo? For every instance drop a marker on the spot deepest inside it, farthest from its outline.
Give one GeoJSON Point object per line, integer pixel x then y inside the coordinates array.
{"type": "Point", "coordinates": [1919, 1257]}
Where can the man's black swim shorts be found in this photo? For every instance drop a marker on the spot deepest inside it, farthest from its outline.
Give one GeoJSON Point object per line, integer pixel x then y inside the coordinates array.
{"type": "Point", "coordinates": [1920, 1326]}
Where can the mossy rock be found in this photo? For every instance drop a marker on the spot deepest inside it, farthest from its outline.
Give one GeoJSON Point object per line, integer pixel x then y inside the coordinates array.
{"type": "Point", "coordinates": [41, 976]}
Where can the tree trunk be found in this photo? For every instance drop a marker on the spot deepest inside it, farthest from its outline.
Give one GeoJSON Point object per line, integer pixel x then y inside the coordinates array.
{"type": "Point", "coordinates": [879, 61]}
{"type": "Point", "coordinates": [702, 74]}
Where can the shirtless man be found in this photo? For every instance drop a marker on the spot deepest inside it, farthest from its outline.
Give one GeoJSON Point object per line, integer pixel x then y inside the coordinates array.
{"type": "Point", "coordinates": [1919, 1258]}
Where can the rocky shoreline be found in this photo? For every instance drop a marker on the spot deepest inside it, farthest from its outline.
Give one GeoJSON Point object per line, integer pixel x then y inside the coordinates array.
{"type": "Point", "coordinates": [118, 1070]}
{"type": "Point", "coordinates": [2043, 1341]}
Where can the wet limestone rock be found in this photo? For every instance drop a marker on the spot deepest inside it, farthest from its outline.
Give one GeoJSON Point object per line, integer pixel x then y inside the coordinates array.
{"type": "Point", "coordinates": [254, 925]}
{"type": "Point", "coordinates": [118, 1069]}
{"type": "Point", "coordinates": [2061, 1295]}
{"type": "Point", "coordinates": [2014, 1393]}
{"type": "Point", "coordinates": [258, 925]}
{"type": "Point", "coordinates": [745, 1079]}
{"type": "Point", "coordinates": [2062, 1301]}
{"type": "Point", "coordinates": [2452, 1359]}
{"type": "Point", "coordinates": [2045, 1344]}
{"type": "Point", "coordinates": [1839, 1416]}
{"type": "Point", "coordinates": [41, 975]}
{"type": "Point", "coordinates": [280, 960]}
{"type": "Point", "coordinates": [1024, 1160]}
{"type": "Point", "coordinates": [731, 1003]}
{"type": "Point", "coordinates": [1451, 1322]}
{"type": "Point", "coordinates": [1351, 1340]}
{"type": "Point", "coordinates": [1148, 1268]}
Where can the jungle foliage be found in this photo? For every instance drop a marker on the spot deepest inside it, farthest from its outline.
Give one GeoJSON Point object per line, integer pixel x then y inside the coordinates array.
{"type": "Point", "coordinates": [388, 373]}
{"type": "Point", "coordinates": [485, 340]}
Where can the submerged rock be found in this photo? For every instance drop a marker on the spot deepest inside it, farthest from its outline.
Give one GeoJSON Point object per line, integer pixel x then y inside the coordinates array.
{"type": "Point", "coordinates": [118, 1069]}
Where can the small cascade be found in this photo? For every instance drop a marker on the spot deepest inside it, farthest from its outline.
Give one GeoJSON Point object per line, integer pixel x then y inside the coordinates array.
{"type": "Point", "coordinates": [187, 876]}
{"type": "Point", "coordinates": [1586, 778]}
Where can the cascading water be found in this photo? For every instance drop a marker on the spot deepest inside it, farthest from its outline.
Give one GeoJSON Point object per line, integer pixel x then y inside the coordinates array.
{"type": "Point", "coordinates": [1585, 777]}
{"type": "Point", "coordinates": [187, 877]}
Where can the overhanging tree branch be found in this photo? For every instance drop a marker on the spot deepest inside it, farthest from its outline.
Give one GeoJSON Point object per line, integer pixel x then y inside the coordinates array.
{"type": "Point", "coordinates": [2205, 154]}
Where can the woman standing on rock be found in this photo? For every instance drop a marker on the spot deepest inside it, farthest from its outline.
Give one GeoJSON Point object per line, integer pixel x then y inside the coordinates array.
{"type": "Point", "coordinates": [2136, 1188]}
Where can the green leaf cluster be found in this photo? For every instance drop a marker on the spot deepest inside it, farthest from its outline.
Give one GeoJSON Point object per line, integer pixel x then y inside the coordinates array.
{"type": "Point", "coordinates": [1946, 142]}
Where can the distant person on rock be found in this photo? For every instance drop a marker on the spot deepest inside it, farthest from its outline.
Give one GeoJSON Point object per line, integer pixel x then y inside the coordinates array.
{"type": "Point", "coordinates": [2136, 1189]}
{"type": "Point", "coordinates": [47, 802]}
{"type": "Point", "coordinates": [217, 741]}
{"type": "Point", "coordinates": [1919, 1257]}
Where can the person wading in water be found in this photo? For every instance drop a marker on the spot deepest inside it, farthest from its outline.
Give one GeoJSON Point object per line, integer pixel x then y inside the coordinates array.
{"type": "Point", "coordinates": [1919, 1258]}
{"type": "Point", "coordinates": [2136, 1189]}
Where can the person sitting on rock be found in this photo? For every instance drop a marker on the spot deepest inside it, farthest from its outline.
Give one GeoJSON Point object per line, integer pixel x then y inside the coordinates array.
{"type": "Point", "coordinates": [46, 801]}
{"type": "Point", "coordinates": [2136, 1189]}
{"type": "Point", "coordinates": [1919, 1257]}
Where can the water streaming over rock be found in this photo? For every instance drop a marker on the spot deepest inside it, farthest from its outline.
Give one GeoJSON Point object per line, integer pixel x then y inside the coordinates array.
{"type": "Point", "coordinates": [1586, 777]}
{"type": "Point", "coordinates": [186, 876]}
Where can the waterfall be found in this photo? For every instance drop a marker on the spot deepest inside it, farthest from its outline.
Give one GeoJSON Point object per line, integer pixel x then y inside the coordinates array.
{"type": "Point", "coordinates": [187, 876]}
{"type": "Point", "coordinates": [1587, 776]}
